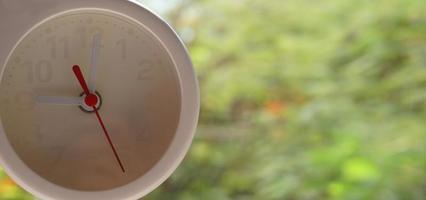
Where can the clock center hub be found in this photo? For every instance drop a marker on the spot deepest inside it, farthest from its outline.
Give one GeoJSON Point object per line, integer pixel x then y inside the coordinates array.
{"type": "Point", "coordinates": [93, 99]}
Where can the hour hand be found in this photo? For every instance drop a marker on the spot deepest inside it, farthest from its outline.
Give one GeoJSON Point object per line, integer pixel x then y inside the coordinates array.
{"type": "Point", "coordinates": [58, 100]}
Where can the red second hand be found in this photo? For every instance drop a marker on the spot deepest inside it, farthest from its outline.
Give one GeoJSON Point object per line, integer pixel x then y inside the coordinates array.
{"type": "Point", "coordinates": [80, 77]}
{"type": "Point", "coordinates": [108, 138]}
{"type": "Point", "coordinates": [77, 71]}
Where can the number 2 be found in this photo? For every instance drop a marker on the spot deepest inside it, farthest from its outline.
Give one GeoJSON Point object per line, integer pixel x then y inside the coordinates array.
{"type": "Point", "coordinates": [146, 71]}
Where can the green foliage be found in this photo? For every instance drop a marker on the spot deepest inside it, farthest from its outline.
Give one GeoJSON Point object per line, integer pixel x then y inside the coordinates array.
{"type": "Point", "coordinates": [305, 100]}
{"type": "Point", "coordinates": [10, 191]}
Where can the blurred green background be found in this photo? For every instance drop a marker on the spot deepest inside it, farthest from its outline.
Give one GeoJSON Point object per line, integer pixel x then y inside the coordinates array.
{"type": "Point", "coordinates": [301, 99]}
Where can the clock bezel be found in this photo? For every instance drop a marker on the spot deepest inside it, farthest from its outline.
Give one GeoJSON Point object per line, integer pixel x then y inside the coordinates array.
{"type": "Point", "coordinates": [41, 188]}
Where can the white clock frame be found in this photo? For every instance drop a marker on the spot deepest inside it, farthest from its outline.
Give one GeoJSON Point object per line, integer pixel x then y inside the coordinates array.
{"type": "Point", "coordinates": [18, 17]}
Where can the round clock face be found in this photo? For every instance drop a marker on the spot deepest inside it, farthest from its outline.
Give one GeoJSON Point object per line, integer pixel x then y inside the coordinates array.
{"type": "Point", "coordinates": [53, 125]}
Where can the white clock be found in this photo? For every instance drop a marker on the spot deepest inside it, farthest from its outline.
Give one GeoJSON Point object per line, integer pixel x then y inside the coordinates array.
{"type": "Point", "coordinates": [98, 98]}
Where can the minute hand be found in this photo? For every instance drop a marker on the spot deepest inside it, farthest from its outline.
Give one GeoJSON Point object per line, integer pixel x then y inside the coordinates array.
{"type": "Point", "coordinates": [94, 63]}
